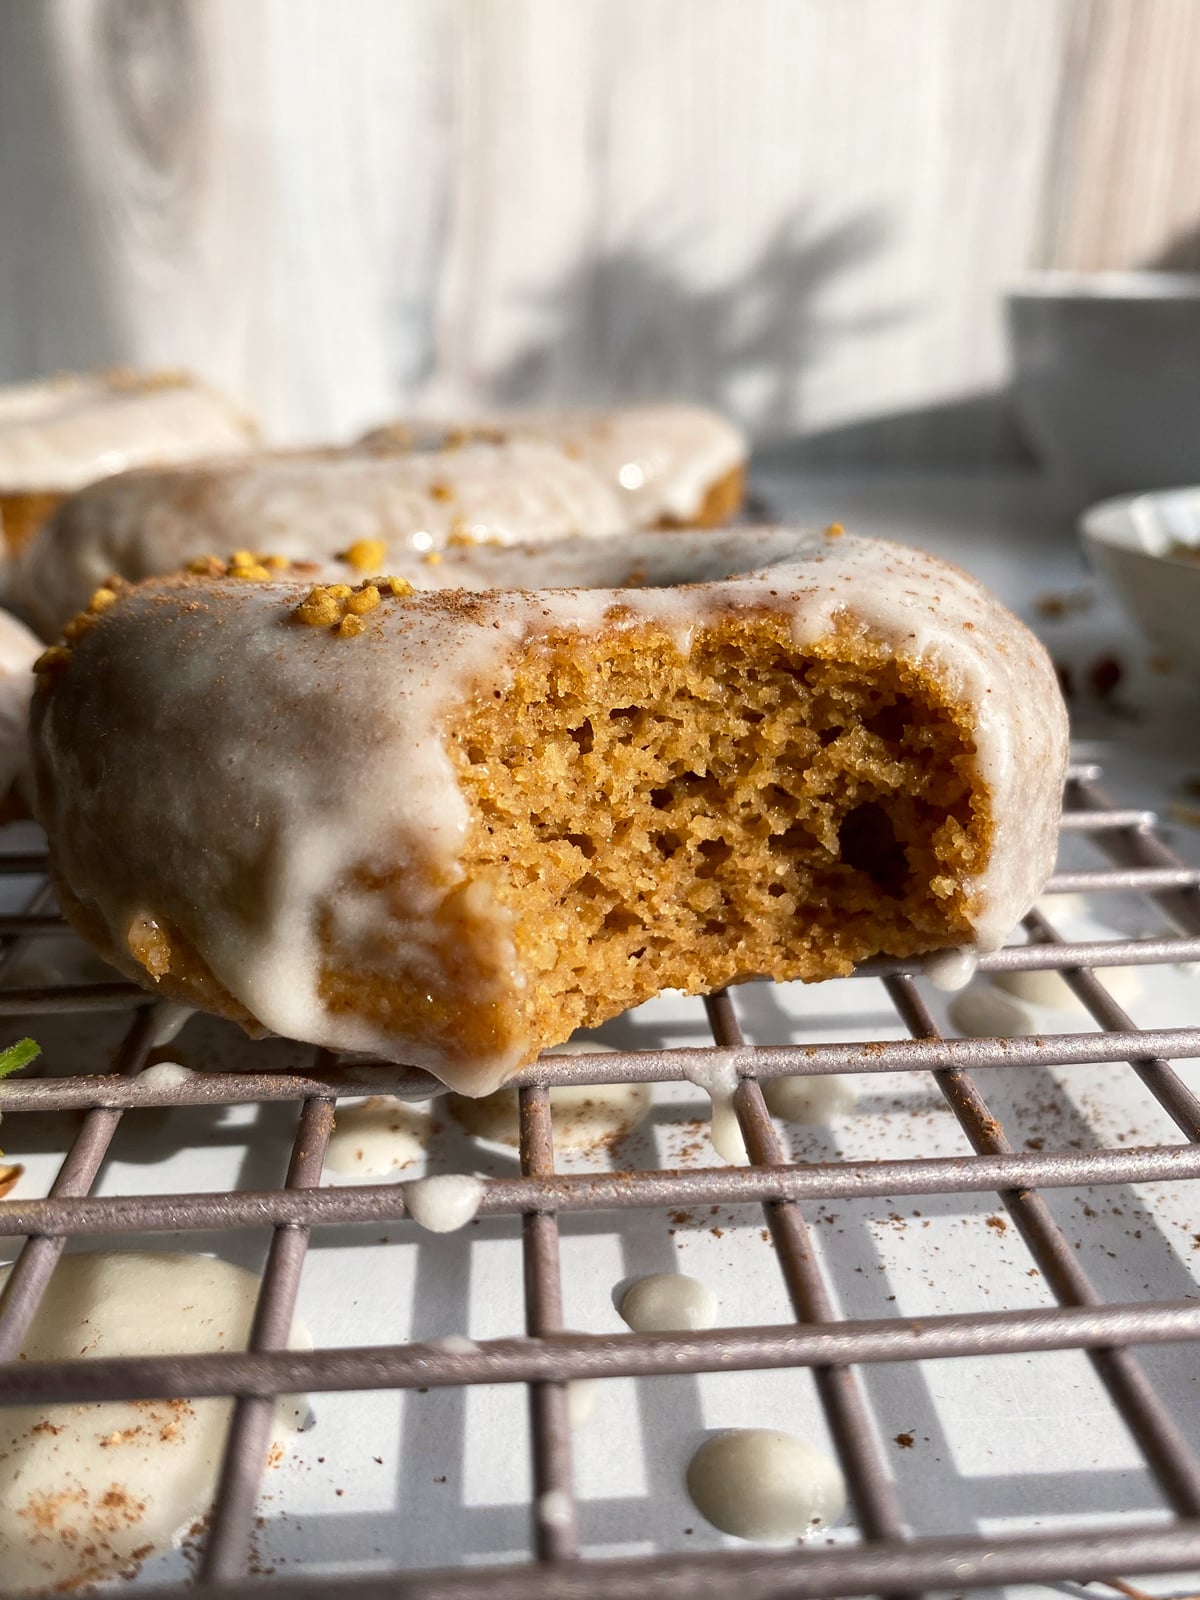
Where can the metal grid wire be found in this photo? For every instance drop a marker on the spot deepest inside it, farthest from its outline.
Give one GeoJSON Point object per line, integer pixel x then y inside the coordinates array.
{"type": "Point", "coordinates": [885, 1559]}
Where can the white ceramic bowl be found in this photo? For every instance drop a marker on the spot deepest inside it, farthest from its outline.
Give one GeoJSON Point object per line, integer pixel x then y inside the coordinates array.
{"type": "Point", "coordinates": [1136, 541]}
{"type": "Point", "coordinates": [1106, 375]}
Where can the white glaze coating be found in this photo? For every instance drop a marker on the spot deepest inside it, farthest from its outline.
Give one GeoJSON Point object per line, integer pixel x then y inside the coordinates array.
{"type": "Point", "coordinates": [60, 433]}
{"type": "Point", "coordinates": [157, 734]}
{"type": "Point", "coordinates": [554, 1508]}
{"type": "Point", "coordinates": [456, 1344]}
{"type": "Point", "coordinates": [309, 507]}
{"type": "Point", "coordinates": [85, 1486]}
{"type": "Point", "coordinates": [761, 1484]}
{"type": "Point", "coordinates": [950, 969]}
{"type": "Point", "coordinates": [666, 1301]}
{"type": "Point", "coordinates": [19, 649]}
{"type": "Point", "coordinates": [661, 459]}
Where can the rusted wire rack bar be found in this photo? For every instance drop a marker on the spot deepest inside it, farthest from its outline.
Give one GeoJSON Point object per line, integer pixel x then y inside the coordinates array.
{"type": "Point", "coordinates": [950, 1565]}
{"type": "Point", "coordinates": [1106, 821]}
{"type": "Point", "coordinates": [48, 1000]}
{"type": "Point", "coordinates": [60, 1216]}
{"type": "Point", "coordinates": [227, 1548]}
{"type": "Point", "coordinates": [642, 1066]}
{"type": "Point", "coordinates": [567, 1356]}
{"type": "Point", "coordinates": [872, 1490]}
{"type": "Point", "coordinates": [555, 1515]}
{"type": "Point", "coordinates": [1142, 880]}
{"type": "Point", "coordinates": [23, 863]}
{"type": "Point", "coordinates": [31, 924]}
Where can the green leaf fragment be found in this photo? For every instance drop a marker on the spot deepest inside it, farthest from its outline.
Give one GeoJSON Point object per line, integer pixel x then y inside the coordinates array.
{"type": "Point", "coordinates": [18, 1055]}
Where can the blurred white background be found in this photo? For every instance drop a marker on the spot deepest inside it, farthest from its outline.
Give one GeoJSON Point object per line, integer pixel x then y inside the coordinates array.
{"type": "Point", "coordinates": [800, 210]}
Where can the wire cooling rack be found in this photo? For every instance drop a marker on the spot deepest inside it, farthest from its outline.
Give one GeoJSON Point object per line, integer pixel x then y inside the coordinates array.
{"type": "Point", "coordinates": [884, 1557]}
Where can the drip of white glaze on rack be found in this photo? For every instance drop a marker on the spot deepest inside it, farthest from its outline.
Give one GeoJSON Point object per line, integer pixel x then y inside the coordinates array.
{"type": "Point", "coordinates": [1051, 989]}
{"type": "Point", "coordinates": [89, 1491]}
{"type": "Point", "coordinates": [584, 1116]}
{"type": "Point", "coordinates": [718, 1078]}
{"type": "Point", "coordinates": [375, 1136]}
{"type": "Point", "coordinates": [170, 1019]}
{"type": "Point", "coordinates": [445, 1203]}
{"type": "Point", "coordinates": [554, 1508]}
{"type": "Point", "coordinates": [665, 1301]}
{"type": "Point", "coordinates": [758, 1483]}
{"type": "Point", "coordinates": [811, 1099]}
{"type": "Point", "coordinates": [950, 969]}
{"type": "Point", "coordinates": [982, 1012]}
{"type": "Point", "coordinates": [165, 1075]}
{"type": "Point", "coordinates": [455, 1344]}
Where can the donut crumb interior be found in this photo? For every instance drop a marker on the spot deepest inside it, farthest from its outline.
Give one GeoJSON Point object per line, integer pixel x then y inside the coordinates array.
{"type": "Point", "coordinates": [655, 820]}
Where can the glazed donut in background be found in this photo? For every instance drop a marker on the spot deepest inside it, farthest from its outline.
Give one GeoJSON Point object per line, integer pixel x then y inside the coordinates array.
{"type": "Point", "coordinates": [451, 827]}
{"type": "Point", "coordinates": [379, 508]}
{"type": "Point", "coordinates": [672, 465]}
{"type": "Point", "coordinates": [60, 433]}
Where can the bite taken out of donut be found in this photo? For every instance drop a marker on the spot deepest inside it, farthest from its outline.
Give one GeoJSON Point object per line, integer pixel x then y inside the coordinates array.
{"type": "Point", "coordinates": [448, 827]}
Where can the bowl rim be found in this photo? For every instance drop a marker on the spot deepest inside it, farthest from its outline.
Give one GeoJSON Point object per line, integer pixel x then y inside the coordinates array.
{"type": "Point", "coordinates": [1135, 286]}
{"type": "Point", "coordinates": [1114, 523]}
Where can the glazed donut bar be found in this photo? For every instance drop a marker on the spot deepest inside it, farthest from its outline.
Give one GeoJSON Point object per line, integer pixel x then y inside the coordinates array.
{"type": "Point", "coordinates": [672, 465]}
{"type": "Point", "coordinates": [61, 433]}
{"type": "Point", "coordinates": [450, 827]}
{"type": "Point", "coordinates": [378, 509]}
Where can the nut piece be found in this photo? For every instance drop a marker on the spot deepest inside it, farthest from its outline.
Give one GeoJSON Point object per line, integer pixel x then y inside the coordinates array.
{"type": "Point", "coordinates": [365, 555]}
{"type": "Point", "coordinates": [338, 606]}
{"type": "Point", "coordinates": [319, 608]}
{"type": "Point", "coordinates": [149, 945]}
{"type": "Point", "coordinates": [362, 600]}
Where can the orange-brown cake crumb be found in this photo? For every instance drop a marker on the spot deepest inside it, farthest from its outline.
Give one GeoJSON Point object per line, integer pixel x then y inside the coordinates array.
{"type": "Point", "coordinates": [657, 820]}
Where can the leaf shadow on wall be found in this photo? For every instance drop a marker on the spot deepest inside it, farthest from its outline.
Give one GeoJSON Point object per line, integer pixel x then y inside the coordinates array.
{"type": "Point", "coordinates": [1180, 254]}
{"type": "Point", "coordinates": [630, 325]}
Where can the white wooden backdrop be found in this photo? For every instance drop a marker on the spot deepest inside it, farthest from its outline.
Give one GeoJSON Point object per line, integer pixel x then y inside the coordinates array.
{"type": "Point", "coordinates": [803, 210]}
